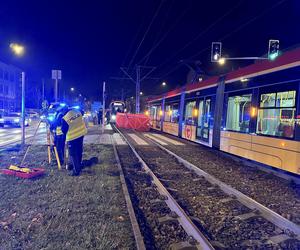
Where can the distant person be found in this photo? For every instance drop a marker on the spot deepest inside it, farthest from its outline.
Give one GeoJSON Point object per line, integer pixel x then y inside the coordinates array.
{"type": "Point", "coordinates": [74, 128]}
{"type": "Point", "coordinates": [107, 115]}
{"type": "Point", "coordinates": [100, 114]}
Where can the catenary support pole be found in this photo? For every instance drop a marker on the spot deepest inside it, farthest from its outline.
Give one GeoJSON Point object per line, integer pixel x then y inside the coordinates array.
{"type": "Point", "coordinates": [103, 106]}
{"type": "Point", "coordinates": [23, 109]}
{"type": "Point", "coordinates": [137, 90]}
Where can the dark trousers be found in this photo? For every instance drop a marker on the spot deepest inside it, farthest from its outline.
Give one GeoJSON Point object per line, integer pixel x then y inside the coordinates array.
{"type": "Point", "coordinates": [75, 152]}
{"type": "Point", "coordinates": [59, 142]}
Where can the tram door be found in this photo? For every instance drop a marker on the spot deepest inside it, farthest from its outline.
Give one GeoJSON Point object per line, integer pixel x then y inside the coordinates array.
{"type": "Point", "coordinates": [203, 119]}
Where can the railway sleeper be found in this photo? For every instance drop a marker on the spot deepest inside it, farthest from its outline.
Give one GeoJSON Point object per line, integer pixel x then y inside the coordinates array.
{"type": "Point", "coordinates": [184, 245]}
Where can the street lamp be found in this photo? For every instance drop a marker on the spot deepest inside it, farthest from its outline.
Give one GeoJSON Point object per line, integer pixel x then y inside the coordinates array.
{"type": "Point", "coordinates": [222, 61]}
{"type": "Point", "coordinates": [164, 84]}
{"type": "Point", "coordinates": [72, 89]}
{"type": "Point", "coordinates": [19, 50]}
{"type": "Point", "coordinates": [141, 93]}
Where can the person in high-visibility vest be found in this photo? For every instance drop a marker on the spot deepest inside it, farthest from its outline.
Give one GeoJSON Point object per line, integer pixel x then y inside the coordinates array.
{"type": "Point", "coordinates": [59, 137]}
{"type": "Point", "coordinates": [74, 128]}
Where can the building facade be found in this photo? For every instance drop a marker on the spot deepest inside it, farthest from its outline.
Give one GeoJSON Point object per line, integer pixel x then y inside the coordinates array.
{"type": "Point", "coordinates": [10, 87]}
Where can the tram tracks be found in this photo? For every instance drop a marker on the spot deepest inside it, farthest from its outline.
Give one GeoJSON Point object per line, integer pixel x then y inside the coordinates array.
{"type": "Point", "coordinates": [227, 218]}
{"type": "Point", "coordinates": [163, 223]}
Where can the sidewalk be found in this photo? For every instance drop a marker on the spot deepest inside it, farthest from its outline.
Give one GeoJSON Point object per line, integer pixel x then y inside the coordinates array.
{"type": "Point", "coordinates": [95, 136]}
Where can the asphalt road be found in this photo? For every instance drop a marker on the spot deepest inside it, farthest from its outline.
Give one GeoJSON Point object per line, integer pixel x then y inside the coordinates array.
{"type": "Point", "coordinates": [11, 135]}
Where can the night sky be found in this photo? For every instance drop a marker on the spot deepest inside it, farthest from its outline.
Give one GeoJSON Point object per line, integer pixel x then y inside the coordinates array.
{"type": "Point", "coordinates": [90, 40]}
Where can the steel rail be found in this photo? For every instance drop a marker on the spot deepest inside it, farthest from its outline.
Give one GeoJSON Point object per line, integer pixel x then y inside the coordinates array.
{"type": "Point", "coordinates": [135, 226]}
{"type": "Point", "coordinates": [184, 220]}
{"type": "Point", "coordinates": [265, 212]}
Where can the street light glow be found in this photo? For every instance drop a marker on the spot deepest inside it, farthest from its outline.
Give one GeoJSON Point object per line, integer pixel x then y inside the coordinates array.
{"type": "Point", "coordinates": [141, 93]}
{"type": "Point", "coordinates": [72, 89]}
{"type": "Point", "coordinates": [17, 49]}
{"type": "Point", "coordinates": [164, 84]}
{"type": "Point", "coordinates": [222, 61]}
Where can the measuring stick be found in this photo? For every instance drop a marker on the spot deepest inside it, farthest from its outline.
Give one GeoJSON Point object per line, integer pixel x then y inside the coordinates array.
{"type": "Point", "coordinates": [27, 150]}
{"type": "Point", "coordinates": [57, 158]}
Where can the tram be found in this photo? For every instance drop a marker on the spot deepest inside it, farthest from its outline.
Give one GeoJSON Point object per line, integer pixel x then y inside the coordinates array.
{"type": "Point", "coordinates": [115, 107]}
{"type": "Point", "coordinates": [252, 112]}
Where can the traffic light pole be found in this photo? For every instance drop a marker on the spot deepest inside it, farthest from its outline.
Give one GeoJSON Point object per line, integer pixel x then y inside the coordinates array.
{"type": "Point", "coordinates": [23, 110]}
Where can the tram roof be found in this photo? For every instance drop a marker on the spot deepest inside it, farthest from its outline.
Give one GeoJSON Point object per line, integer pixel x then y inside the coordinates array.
{"type": "Point", "coordinates": [287, 60]}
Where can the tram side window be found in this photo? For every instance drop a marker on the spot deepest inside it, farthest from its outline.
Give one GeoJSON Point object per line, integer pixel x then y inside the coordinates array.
{"type": "Point", "coordinates": [188, 116]}
{"type": "Point", "coordinates": [175, 113]}
{"type": "Point", "coordinates": [276, 114]}
{"type": "Point", "coordinates": [168, 113]}
{"type": "Point", "coordinates": [238, 113]}
{"type": "Point", "coordinates": [153, 112]}
{"type": "Point", "coordinates": [159, 114]}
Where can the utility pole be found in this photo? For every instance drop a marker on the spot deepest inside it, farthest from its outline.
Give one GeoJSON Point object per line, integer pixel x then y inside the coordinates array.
{"type": "Point", "coordinates": [23, 109]}
{"type": "Point", "coordinates": [137, 81]}
{"type": "Point", "coordinates": [103, 106]}
{"type": "Point", "coordinates": [137, 89]}
{"type": "Point", "coordinates": [56, 90]}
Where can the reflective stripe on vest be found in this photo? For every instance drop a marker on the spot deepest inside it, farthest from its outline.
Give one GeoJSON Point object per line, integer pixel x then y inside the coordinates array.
{"type": "Point", "coordinates": [58, 130]}
{"type": "Point", "coordinates": [76, 125]}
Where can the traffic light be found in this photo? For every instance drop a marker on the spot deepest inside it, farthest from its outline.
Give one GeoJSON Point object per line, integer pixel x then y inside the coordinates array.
{"type": "Point", "coordinates": [216, 51]}
{"type": "Point", "coordinates": [273, 49]}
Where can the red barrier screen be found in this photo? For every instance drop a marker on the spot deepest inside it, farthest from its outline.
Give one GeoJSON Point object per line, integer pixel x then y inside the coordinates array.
{"type": "Point", "coordinates": [137, 122]}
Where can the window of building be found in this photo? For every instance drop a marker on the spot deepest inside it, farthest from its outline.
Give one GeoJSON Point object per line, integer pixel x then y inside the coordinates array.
{"type": "Point", "coordinates": [188, 116]}
{"type": "Point", "coordinates": [276, 114]}
{"type": "Point", "coordinates": [6, 75]}
{"type": "Point", "coordinates": [238, 113]}
{"type": "Point", "coordinates": [5, 89]}
{"type": "Point", "coordinates": [12, 77]}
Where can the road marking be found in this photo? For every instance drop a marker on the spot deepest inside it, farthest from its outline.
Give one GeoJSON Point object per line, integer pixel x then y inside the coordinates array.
{"type": "Point", "coordinates": [105, 139]}
{"type": "Point", "coordinates": [118, 139]}
{"type": "Point", "coordinates": [138, 140]}
{"type": "Point", "coordinates": [168, 139]}
{"type": "Point", "coordinates": [156, 139]}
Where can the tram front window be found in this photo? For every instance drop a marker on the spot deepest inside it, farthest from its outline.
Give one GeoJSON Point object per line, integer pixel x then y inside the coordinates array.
{"type": "Point", "coordinates": [276, 114]}
{"type": "Point", "coordinates": [238, 113]}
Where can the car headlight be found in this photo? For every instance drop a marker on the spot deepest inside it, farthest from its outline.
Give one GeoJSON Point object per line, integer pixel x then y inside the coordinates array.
{"type": "Point", "coordinates": [17, 120]}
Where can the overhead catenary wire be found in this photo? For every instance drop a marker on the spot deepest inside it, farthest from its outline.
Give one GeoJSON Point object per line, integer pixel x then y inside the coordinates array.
{"type": "Point", "coordinates": [240, 27]}
{"type": "Point", "coordinates": [243, 25]}
{"type": "Point", "coordinates": [159, 33]}
{"type": "Point", "coordinates": [202, 32]}
{"type": "Point", "coordinates": [166, 33]}
{"type": "Point", "coordinates": [145, 34]}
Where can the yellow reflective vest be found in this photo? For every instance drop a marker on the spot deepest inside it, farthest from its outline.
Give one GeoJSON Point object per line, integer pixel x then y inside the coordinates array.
{"type": "Point", "coordinates": [58, 130]}
{"type": "Point", "coordinates": [76, 125]}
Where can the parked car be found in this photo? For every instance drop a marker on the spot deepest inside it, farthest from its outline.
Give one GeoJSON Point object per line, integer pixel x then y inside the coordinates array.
{"type": "Point", "coordinates": [13, 119]}
{"type": "Point", "coordinates": [33, 115]}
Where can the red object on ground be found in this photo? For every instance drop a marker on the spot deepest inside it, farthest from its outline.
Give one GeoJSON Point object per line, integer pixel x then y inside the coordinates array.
{"type": "Point", "coordinates": [35, 172]}
{"type": "Point", "coordinates": [137, 122]}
